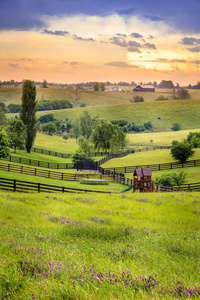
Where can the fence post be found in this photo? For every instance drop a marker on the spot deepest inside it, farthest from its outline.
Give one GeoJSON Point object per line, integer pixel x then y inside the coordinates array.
{"type": "Point", "coordinates": [22, 169]}
{"type": "Point", "coordinates": [14, 185]}
{"type": "Point", "coordinates": [35, 172]}
{"type": "Point", "coordinates": [194, 163]}
{"type": "Point", "coordinates": [38, 187]}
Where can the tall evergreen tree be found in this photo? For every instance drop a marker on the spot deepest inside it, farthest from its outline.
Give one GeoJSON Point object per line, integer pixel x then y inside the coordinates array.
{"type": "Point", "coordinates": [28, 112]}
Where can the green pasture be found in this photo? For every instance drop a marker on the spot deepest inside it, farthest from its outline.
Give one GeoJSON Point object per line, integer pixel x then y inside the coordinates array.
{"type": "Point", "coordinates": [162, 114]}
{"type": "Point", "coordinates": [159, 138]}
{"type": "Point", "coordinates": [11, 94]}
{"type": "Point", "coordinates": [145, 158]}
{"type": "Point", "coordinates": [92, 246]}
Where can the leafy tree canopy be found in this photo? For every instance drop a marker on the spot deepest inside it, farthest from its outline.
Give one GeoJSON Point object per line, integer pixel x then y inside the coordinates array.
{"type": "Point", "coordinates": [4, 146]}
{"type": "Point", "coordinates": [182, 151]}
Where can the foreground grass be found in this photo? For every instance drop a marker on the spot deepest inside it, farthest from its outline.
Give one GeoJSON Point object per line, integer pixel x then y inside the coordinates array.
{"type": "Point", "coordinates": [99, 246]}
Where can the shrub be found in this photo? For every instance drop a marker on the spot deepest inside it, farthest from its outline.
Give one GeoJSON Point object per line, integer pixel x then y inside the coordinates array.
{"type": "Point", "coordinates": [65, 137]}
{"type": "Point", "coordinates": [176, 127]}
{"type": "Point", "coordinates": [148, 125]}
{"type": "Point", "coordinates": [83, 105]}
{"type": "Point", "coordinates": [138, 98]}
{"type": "Point", "coordinates": [161, 98]}
{"type": "Point", "coordinates": [175, 142]}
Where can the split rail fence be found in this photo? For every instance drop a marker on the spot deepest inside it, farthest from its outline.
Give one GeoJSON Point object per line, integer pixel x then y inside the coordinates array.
{"type": "Point", "coordinates": [25, 186]}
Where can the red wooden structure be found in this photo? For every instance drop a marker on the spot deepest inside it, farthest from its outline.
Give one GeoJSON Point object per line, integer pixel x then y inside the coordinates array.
{"type": "Point", "coordinates": [143, 181]}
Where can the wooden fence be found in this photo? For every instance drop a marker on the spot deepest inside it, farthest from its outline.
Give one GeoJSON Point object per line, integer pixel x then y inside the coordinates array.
{"type": "Point", "coordinates": [37, 163]}
{"type": "Point", "coordinates": [25, 186]}
{"type": "Point", "coordinates": [50, 174]}
{"type": "Point", "coordinates": [64, 155]}
{"type": "Point", "coordinates": [154, 167]}
{"type": "Point", "coordinates": [183, 187]}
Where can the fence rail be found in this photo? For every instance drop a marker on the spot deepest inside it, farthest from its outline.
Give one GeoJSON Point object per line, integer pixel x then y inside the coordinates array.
{"type": "Point", "coordinates": [38, 163]}
{"type": "Point", "coordinates": [154, 167]}
{"type": "Point", "coordinates": [25, 186]}
{"type": "Point", "coordinates": [64, 155]}
{"type": "Point", "coordinates": [183, 187]}
{"type": "Point", "coordinates": [50, 174]}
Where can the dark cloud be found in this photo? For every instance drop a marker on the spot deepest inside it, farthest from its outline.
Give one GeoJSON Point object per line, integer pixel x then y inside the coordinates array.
{"type": "Point", "coordinates": [153, 18]}
{"type": "Point", "coordinates": [127, 11]}
{"type": "Point", "coordinates": [197, 62]}
{"type": "Point", "coordinates": [195, 49]}
{"type": "Point", "coordinates": [121, 34]}
{"type": "Point", "coordinates": [56, 32]}
{"type": "Point", "coordinates": [27, 14]}
{"type": "Point", "coordinates": [133, 43]}
{"type": "Point", "coordinates": [190, 41]}
{"type": "Point", "coordinates": [120, 64]}
{"type": "Point", "coordinates": [74, 63]}
{"type": "Point", "coordinates": [134, 49]}
{"type": "Point", "coordinates": [79, 38]}
{"type": "Point", "coordinates": [150, 46]}
{"type": "Point", "coordinates": [150, 37]}
{"type": "Point", "coordinates": [24, 59]}
{"type": "Point", "coordinates": [65, 62]}
{"type": "Point", "coordinates": [17, 66]}
{"type": "Point", "coordinates": [119, 41]}
{"type": "Point", "coordinates": [136, 35]}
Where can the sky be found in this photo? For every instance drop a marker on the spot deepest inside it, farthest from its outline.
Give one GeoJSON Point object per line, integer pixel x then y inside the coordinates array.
{"type": "Point", "coordinates": [74, 41]}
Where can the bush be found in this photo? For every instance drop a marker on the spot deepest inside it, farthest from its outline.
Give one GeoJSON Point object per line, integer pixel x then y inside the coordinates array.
{"type": "Point", "coordinates": [164, 179]}
{"type": "Point", "coordinates": [174, 143]}
{"type": "Point", "coordinates": [46, 118]}
{"type": "Point", "coordinates": [175, 178]}
{"type": "Point", "coordinates": [148, 125]}
{"type": "Point", "coordinates": [65, 137]}
{"type": "Point", "coordinates": [14, 108]}
{"type": "Point", "coordinates": [83, 105]}
{"type": "Point", "coordinates": [53, 104]}
{"type": "Point", "coordinates": [138, 98]}
{"type": "Point", "coordinates": [176, 127]}
{"type": "Point", "coordinates": [161, 98]}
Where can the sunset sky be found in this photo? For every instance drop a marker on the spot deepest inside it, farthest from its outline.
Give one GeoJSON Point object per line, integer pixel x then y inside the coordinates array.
{"type": "Point", "coordinates": [84, 40]}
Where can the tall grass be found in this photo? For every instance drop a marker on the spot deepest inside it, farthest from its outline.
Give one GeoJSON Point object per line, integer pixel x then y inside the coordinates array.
{"type": "Point", "coordinates": [141, 246]}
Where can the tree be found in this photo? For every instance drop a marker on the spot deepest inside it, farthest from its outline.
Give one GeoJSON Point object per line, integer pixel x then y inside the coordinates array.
{"type": "Point", "coordinates": [184, 94]}
{"type": "Point", "coordinates": [182, 151]}
{"type": "Point", "coordinates": [3, 120]}
{"type": "Point", "coordinates": [86, 124]}
{"type": "Point", "coordinates": [28, 112]}
{"type": "Point", "coordinates": [107, 136]}
{"type": "Point", "coordinates": [49, 127]}
{"type": "Point", "coordinates": [96, 87]}
{"type": "Point", "coordinates": [148, 125]}
{"type": "Point", "coordinates": [102, 86]}
{"type": "Point", "coordinates": [4, 147]}
{"type": "Point", "coordinates": [44, 84]}
{"type": "Point", "coordinates": [16, 133]}
{"type": "Point", "coordinates": [84, 145]}
{"type": "Point", "coordinates": [179, 178]}
{"type": "Point", "coordinates": [76, 128]}
{"type": "Point", "coordinates": [3, 106]}
{"type": "Point", "coordinates": [46, 118]}
{"type": "Point", "coordinates": [194, 139]}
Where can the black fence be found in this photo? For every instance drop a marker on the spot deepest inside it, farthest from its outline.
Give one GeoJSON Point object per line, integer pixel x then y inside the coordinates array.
{"type": "Point", "coordinates": [38, 163]}
{"type": "Point", "coordinates": [154, 167]}
{"type": "Point", "coordinates": [153, 148]}
{"type": "Point", "coordinates": [110, 156]}
{"type": "Point", "coordinates": [183, 187]}
{"type": "Point", "coordinates": [25, 186]}
{"type": "Point", "coordinates": [64, 155]}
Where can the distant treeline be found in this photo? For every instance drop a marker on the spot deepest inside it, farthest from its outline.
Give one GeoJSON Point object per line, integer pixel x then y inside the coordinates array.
{"type": "Point", "coordinates": [41, 105]}
{"type": "Point", "coordinates": [126, 127]}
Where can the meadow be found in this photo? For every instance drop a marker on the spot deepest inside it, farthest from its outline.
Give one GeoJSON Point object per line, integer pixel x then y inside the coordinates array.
{"type": "Point", "coordinates": [99, 247]}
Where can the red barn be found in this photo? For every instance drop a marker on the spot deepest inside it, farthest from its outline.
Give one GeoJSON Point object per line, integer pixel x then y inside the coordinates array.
{"type": "Point", "coordinates": [144, 88]}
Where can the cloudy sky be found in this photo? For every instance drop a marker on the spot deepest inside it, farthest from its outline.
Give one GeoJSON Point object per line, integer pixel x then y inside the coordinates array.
{"type": "Point", "coordinates": [84, 40]}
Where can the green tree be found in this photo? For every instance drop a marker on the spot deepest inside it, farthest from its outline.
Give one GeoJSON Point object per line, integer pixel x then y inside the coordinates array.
{"type": "Point", "coordinates": [28, 112]}
{"type": "Point", "coordinates": [16, 133]}
{"type": "Point", "coordinates": [96, 87]}
{"type": "Point", "coordinates": [184, 94]}
{"type": "Point", "coordinates": [86, 124]}
{"type": "Point", "coordinates": [49, 127]}
{"type": "Point", "coordinates": [4, 145]}
{"type": "Point", "coordinates": [107, 137]}
{"type": "Point", "coordinates": [46, 118]}
{"type": "Point", "coordinates": [102, 86]}
{"type": "Point", "coordinates": [84, 145]}
{"type": "Point", "coordinates": [179, 178]}
{"type": "Point", "coordinates": [76, 128]}
{"type": "Point", "coordinates": [3, 120]}
{"type": "Point", "coordinates": [182, 151]}
{"type": "Point", "coordinates": [3, 106]}
{"type": "Point", "coordinates": [44, 84]}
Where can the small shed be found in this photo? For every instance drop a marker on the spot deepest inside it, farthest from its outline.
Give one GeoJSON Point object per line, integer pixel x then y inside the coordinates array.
{"type": "Point", "coordinates": [115, 89]}
{"type": "Point", "coordinates": [144, 88]}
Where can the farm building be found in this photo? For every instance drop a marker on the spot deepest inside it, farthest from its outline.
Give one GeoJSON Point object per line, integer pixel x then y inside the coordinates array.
{"type": "Point", "coordinates": [144, 88]}
{"type": "Point", "coordinates": [115, 89]}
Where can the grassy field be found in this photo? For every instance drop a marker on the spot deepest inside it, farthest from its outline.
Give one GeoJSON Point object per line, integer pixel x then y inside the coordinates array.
{"type": "Point", "coordinates": [11, 94]}
{"type": "Point", "coordinates": [99, 246]}
{"type": "Point", "coordinates": [146, 158]}
{"type": "Point", "coordinates": [159, 138]}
